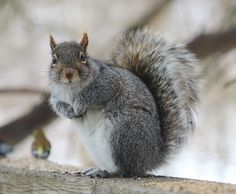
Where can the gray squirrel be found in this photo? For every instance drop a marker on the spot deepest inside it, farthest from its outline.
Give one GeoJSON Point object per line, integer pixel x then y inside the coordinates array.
{"type": "Point", "coordinates": [132, 113]}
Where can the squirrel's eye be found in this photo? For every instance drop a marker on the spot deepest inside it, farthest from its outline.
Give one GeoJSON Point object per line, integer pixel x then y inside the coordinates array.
{"type": "Point", "coordinates": [54, 60]}
{"type": "Point", "coordinates": [82, 58]}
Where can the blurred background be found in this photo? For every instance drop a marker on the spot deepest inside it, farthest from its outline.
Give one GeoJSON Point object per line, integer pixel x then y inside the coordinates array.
{"type": "Point", "coordinates": [25, 27]}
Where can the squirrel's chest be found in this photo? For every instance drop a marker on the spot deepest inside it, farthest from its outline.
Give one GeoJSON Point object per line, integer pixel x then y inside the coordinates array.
{"type": "Point", "coordinates": [95, 131]}
{"type": "Point", "coordinates": [64, 94]}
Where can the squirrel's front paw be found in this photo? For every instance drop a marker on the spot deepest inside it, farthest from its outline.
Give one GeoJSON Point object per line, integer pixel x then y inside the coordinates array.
{"type": "Point", "coordinates": [65, 110]}
{"type": "Point", "coordinates": [79, 109]}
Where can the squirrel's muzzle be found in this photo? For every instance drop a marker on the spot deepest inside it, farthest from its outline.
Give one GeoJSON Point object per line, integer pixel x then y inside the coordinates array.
{"type": "Point", "coordinates": [69, 74]}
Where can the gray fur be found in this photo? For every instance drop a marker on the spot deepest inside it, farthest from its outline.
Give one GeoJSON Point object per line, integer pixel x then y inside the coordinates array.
{"type": "Point", "coordinates": [171, 73]}
{"type": "Point", "coordinates": [149, 115]}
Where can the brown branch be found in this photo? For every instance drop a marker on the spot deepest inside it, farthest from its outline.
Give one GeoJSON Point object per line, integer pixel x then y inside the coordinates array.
{"type": "Point", "coordinates": [18, 129]}
{"type": "Point", "coordinates": [207, 44]}
{"type": "Point", "coordinates": [21, 91]}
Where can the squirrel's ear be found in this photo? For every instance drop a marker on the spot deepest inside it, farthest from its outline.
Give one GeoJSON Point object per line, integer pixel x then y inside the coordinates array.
{"type": "Point", "coordinates": [52, 42]}
{"type": "Point", "coordinates": [84, 41]}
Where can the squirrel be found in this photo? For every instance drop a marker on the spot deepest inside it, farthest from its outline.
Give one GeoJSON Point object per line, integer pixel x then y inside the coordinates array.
{"type": "Point", "coordinates": [133, 112]}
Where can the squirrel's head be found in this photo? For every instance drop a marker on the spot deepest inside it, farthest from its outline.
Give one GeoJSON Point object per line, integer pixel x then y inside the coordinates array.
{"type": "Point", "coordinates": [69, 63]}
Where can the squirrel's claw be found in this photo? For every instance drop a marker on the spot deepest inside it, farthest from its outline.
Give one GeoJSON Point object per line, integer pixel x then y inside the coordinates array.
{"type": "Point", "coordinates": [96, 173]}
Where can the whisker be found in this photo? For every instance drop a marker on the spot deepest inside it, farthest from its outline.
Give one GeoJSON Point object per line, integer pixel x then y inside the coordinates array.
{"type": "Point", "coordinates": [45, 76]}
{"type": "Point", "coordinates": [83, 75]}
{"type": "Point", "coordinates": [41, 78]}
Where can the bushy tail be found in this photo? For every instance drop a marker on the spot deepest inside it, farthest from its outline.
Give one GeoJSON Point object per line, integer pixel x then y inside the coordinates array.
{"type": "Point", "coordinates": [172, 75]}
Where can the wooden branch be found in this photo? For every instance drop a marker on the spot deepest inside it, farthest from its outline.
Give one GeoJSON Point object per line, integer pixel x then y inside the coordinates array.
{"type": "Point", "coordinates": [27, 178]}
{"type": "Point", "coordinates": [22, 91]}
{"type": "Point", "coordinates": [17, 130]}
{"type": "Point", "coordinates": [207, 44]}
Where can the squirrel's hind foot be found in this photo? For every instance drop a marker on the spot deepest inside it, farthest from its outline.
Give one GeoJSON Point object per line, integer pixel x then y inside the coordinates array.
{"type": "Point", "coordinates": [96, 173]}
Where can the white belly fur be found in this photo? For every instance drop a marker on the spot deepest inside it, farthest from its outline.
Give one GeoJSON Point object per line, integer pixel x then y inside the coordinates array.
{"type": "Point", "coordinates": [94, 130]}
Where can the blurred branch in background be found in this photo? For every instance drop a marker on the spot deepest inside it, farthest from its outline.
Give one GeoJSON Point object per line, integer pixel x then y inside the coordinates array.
{"type": "Point", "coordinates": [22, 91]}
{"type": "Point", "coordinates": [18, 129]}
{"type": "Point", "coordinates": [207, 44]}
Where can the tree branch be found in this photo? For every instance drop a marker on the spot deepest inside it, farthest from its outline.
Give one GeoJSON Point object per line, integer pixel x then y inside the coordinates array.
{"type": "Point", "coordinates": [18, 129]}
{"type": "Point", "coordinates": [22, 91]}
{"type": "Point", "coordinates": [46, 177]}
{"type": "Point", "coordinates": [207, 44]}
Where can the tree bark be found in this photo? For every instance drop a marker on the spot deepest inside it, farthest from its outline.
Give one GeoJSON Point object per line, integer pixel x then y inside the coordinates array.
{"type": "Point", "coordinates": [16, 180]}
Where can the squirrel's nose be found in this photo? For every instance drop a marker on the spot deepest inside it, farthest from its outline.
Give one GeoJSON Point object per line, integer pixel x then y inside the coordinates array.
{"type": "Point", "coordinates": [69, 72]}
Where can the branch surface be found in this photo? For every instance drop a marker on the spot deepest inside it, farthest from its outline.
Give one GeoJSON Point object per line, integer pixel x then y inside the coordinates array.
{"type": "Point", "coordinates": [47, 177]}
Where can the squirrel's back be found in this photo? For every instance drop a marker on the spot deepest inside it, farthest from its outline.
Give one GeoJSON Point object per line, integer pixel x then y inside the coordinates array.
{"type": "Point", "coordinates": [172, 75]}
